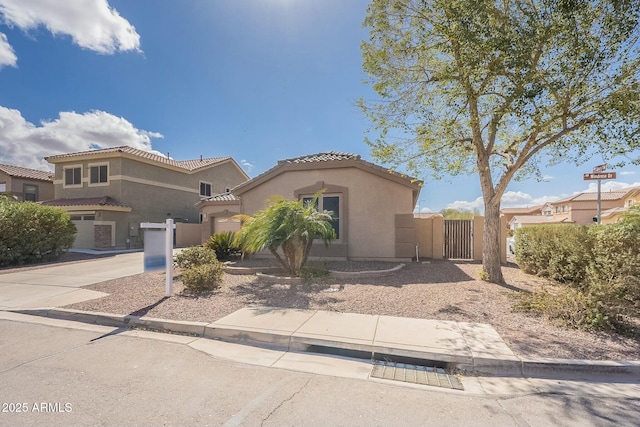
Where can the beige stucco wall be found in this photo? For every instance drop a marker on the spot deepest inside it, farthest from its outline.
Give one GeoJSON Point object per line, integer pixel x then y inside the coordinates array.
{"type": "Point", "coordinates": [369, 211]}
{"type": "Point", "coordinates": [153, 193]}
{"type": "Point", "coordinates": [15, 186]}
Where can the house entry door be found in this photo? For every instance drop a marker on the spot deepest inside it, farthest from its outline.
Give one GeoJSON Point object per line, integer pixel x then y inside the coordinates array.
{"type": "Point", "coordinates": [458, 239]}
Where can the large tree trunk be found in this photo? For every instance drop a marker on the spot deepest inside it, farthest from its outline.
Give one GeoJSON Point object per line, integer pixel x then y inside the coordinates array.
{"type": "Point", "coordinates": [491, 244]}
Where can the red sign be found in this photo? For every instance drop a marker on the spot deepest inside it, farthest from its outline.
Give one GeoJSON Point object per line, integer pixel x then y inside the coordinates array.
{"type": "Point", "coordinates": [602, 175]}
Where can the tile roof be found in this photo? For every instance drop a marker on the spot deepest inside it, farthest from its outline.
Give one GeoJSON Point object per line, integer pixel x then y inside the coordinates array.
{"type": "Point", "coordinates": [20, 172]}
{"type": "Point", "coordinates": [321, 157]}
{"type": "Point", "coordinates": [189, 165]}
{"type": "Point", "coordinates": [522, 210]}
{"type": "Point", "coordinates": [224, 197]}
{"type": "Point", "coordinates": [313, 160]}
{"type": "Point", "coordinates": [536, 219]}
{"type": "Point", "coordinates": [84, 201]}
{"type": "Point", "coordinates": [610, 212]}
{"type": "Point", "coordinates": [592, 196]}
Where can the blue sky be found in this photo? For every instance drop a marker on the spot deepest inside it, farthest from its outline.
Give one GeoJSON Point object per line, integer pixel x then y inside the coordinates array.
{"type": "Point", "coordinates": [257, 80]}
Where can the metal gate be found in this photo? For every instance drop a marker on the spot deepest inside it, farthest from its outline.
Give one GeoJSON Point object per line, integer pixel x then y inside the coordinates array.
{"type": "Point", "coordinates": [458, 238]}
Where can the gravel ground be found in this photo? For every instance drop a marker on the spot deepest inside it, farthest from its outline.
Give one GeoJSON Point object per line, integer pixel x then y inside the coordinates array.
{"type": "Point", "coordinates": [445, 290]}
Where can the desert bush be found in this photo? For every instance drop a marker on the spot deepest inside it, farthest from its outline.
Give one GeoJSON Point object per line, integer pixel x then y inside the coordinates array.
{"type": "Point", "coordinates": [223, 245]}
{"type": "Point", "coordinates": [603, 275]}
{"type": "Point", "coordinates": [560, 252]}
{"type": "Point", "coordinates": [616, 251]}
{"type": "Point", "coordinates": [30, 232]}
{"type": "Point", "coordinates": [194, 256]}
{"type": "Point", "coordinates": [203, 278]}
{"type": "Point", "coordinates": [602, 306]}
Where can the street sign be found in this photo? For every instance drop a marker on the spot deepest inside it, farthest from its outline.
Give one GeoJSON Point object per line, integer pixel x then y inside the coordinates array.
{"type": "Point", "coordinates": [599, 168]}
{"type": "Point", "coordinates": [602, 175]}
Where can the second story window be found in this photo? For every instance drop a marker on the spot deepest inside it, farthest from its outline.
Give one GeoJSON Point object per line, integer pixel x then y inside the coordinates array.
{"type": "Point", "coordinates": [73, 176]}
{"type": "Point", "coordinates": [205, 189]}
{"type": "Point", "coordinates": [30, 192]}
{"type": "Point", "coordinates": [98, 174]}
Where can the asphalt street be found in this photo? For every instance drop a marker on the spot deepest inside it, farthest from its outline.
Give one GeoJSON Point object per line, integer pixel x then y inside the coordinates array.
{"type": "Point", "coordinates": [59, 376]}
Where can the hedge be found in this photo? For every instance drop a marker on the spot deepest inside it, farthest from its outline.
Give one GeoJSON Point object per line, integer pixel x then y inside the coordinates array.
{"type": "Point", "coordinates": [600, 265]}
{"type": "Point", "coordinates": [31, 233]}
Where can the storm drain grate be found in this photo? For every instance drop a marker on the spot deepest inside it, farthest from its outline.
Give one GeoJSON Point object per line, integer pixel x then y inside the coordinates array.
{"type": "Point", "coordinates": [415, 374]}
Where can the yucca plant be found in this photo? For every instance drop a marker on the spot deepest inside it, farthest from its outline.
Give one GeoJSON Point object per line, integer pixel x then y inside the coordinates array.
{"type": "Point", "coordinates": [223, 244]}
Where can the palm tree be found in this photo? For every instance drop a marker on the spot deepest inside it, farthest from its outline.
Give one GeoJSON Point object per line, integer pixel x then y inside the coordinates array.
{"type": "Point", "coordinates": [290, 225]}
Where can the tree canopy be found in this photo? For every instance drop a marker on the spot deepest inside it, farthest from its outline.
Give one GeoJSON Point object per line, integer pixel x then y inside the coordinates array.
{"type": "Point", "coordinates": [496, 87]}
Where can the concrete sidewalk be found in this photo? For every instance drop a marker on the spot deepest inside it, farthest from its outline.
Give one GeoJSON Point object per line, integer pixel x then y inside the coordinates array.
{"type": "Point", "coordinates": [468, 346]}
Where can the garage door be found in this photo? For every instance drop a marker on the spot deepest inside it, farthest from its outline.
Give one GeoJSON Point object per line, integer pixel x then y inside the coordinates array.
{"type": "Point", "coordinates": [225, 224]}
{"type": "Point", "coordinates": [85, 239]}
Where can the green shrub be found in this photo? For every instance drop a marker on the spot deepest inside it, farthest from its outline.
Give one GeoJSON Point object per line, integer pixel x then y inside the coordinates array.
{"type": "Point", "coordinates": [616, 251]}
{"type": "Point", "coordinates": [558, 251]}
{"type": "Point", "coordinates": [203, 278]}
{"type": "Point", "coordinates": [600, 307]}
{"type": "Point", "coordinates": [223, 245]}
{"type": "Point", "coordinates": [603, 274]}
{"type": "Point", "coordinates": [30, 232]}
{"type": "Point", "coordinates": [194, 256]}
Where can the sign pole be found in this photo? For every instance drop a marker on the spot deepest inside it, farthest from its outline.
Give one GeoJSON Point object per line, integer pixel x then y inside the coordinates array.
{"type": "Point", "coordinates": [599, 201]}
{"type": "Point", "coordinates": [599, 173]}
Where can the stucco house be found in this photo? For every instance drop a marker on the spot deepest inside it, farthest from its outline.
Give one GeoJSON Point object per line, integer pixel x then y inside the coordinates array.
{"type": "Point", "coordinates": [373, 206]}
{"type": "Point", "coordinates": [109, 192]}
{"type": "Point", "coordinates": [26, 184]}
{"type": "Point", "coordinates": [581, 208]}
{"type": "Point", "coordinates": [509, 213]}
{"type": "Point", "coordinates": [631, 198]}
{"type": "Point", "coordinates": [519, 221]}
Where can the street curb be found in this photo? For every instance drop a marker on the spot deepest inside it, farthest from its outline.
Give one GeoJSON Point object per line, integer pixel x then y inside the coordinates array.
{"type": "Point", "coordinates": [515, 366]}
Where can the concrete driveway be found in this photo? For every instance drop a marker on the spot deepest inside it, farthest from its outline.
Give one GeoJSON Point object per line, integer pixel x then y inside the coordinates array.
{"type": "Point", "coordinates": [62, 284]}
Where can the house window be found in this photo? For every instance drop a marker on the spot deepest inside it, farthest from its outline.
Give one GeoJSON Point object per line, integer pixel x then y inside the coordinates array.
{"type": "Point", "coordinates": [565, 208]}
{"type": "Point", "coordinates": [98, 174]}
{"type": "Point", "coordinates": [629, 202]}
{"type": "Point", "coordinates": [73, 176]}
{"type": "Point", "coordinates": [205, 189]}
{"type": "Point", "coordinates": [3, 187]}
{"type": "Point", "coordinates": [328, 203]}
{"type": "Point", "coordinates": [30, 192]}
{"type": "Point", "coordinates": [557, 209]}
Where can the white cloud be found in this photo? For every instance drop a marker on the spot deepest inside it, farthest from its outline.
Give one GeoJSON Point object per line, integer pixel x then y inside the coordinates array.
{"type": "Point", "coordinates": [518, 199]}
{"type": "Point", "coordinates": [423, 210]}
{"type": "Point", "coordinates": [247, 165]}
{"type": "Point", "coordinates": [628, 173]}
{"type": "Point", "coordinates": [25, 144]}
{"type": "Point", "coordinates": [7, 55]}
{"type": "Point", "coordinates": [468, 206]}
{"type": "Point", "coordinates": [607, 186]}
{"type": "Point", "coordinates": [510, 199]}
{"type": "Point", "coordinates": [91, 24]}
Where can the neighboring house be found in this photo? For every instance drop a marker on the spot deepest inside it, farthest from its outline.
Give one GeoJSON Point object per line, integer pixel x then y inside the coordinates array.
{"type": "Point", "coordinates": [520, 221]}
{"type": "Point", "coordinates": [373, 206]}
{"type": "Point", "coordinates": [631, 198]}
{"type": "Point", "coordinates": [109, 192]}
{"type": "Point", "coordinates": [26, 184]}
{"type": "Point", "coordinates": [582, 208]}
{"type": "Point", "coordinates": [509, 213]}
